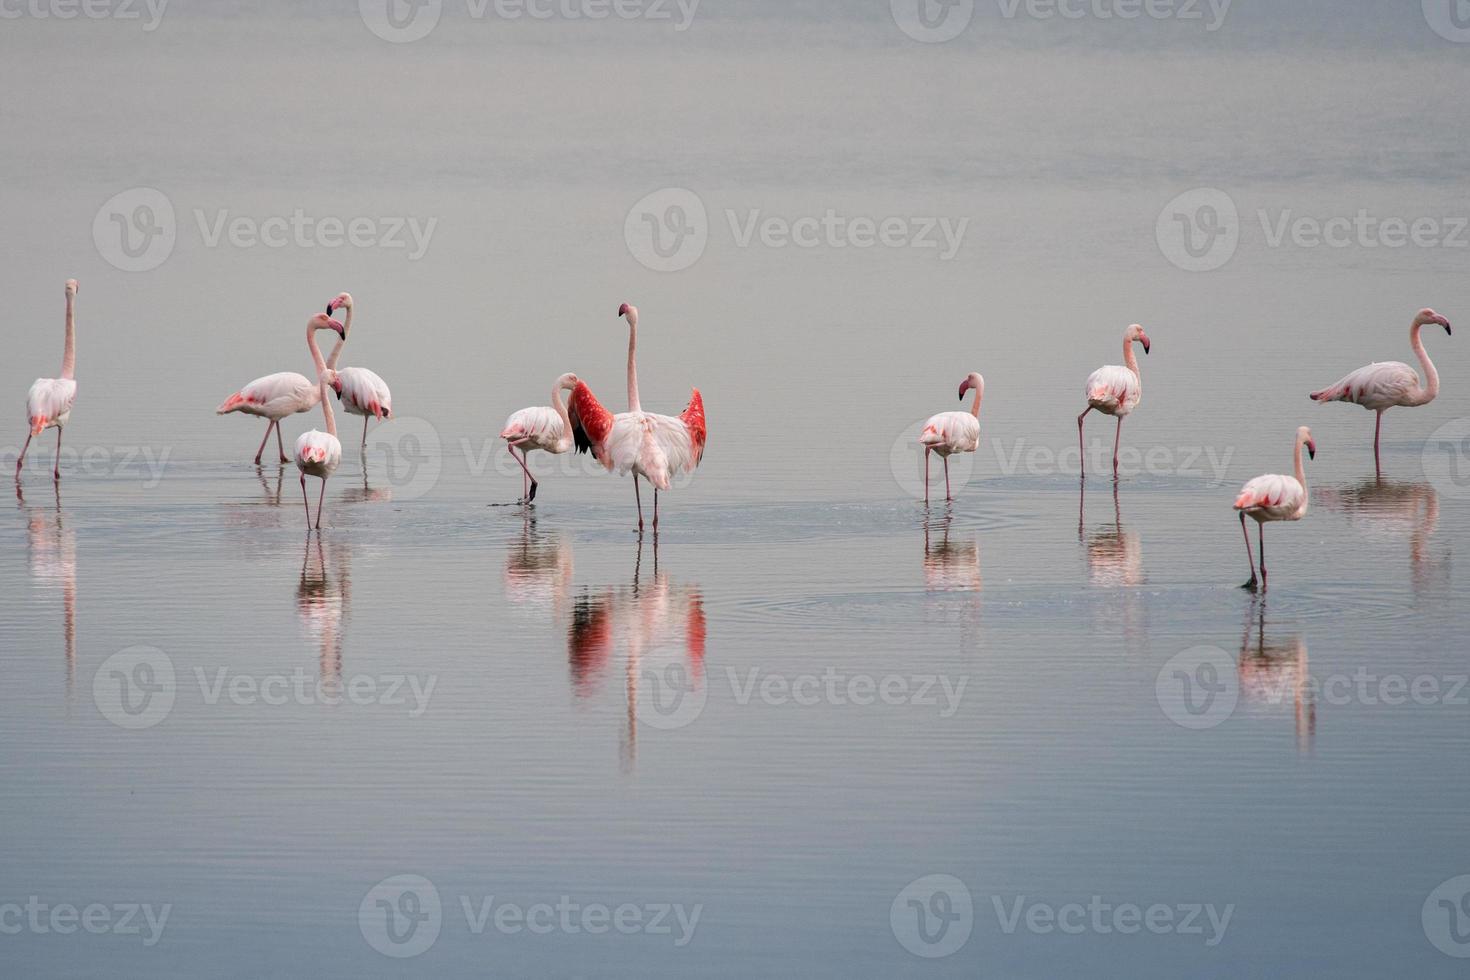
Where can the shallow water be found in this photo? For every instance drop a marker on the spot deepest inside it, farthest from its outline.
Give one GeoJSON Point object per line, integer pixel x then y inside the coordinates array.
{"type": "Point", "coordinates": [756, 734]}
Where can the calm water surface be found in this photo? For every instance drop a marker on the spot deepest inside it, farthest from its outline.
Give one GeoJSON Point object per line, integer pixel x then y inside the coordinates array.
{"type": "Point", "coordinates": [744, 745]}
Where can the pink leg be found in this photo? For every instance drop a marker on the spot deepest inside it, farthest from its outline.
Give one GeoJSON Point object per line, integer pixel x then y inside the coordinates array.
{"type": "Point", "coordinates": [1262, 529]}
{"type": "Point", "coordinates": [1248, 556]}
{"type": "Point", "coordinates": [639, 498]}
{"type": "Point", "coordinates": [305, 502]}
{"type": "Point", "coordinates": [362, 450]}
{"type": "Point", "coordinates": [263, 439]}
{"type": "Point", "coordinates": [21, 460]}
{"type": "Point", "coordinates": [1377, 432]}
{"type": "Point", "coordinates": [927, 451]}
{"type": "Point", "coordinates": [281, 446]}
{"type": "Point", "coordinates": [1117, 439]}
{"type": "Point", "coordinates": [56, 470]}
{"type": "Point", "coordinates": [947, 495]}
{"type": "Point", "coordinates": [528, 493]}
{"type": "Point", "coordinates": [655, 508]}
{"type": "Point", "coordinates": [1082, 452]}
{"type": "Point", "coordinates": [319, 499]}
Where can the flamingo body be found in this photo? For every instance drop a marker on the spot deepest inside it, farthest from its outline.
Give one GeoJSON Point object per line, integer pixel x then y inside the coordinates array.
{"type": "Point", "coordinates": [949, 433]}
{"type": "Point", "coordinates": [362, 392]}
{"type": "Point", "coordinates": [49, 402]}
{"type": "Point", "coordinates": [543, 428]}
{"type": "Point", "coordinates": [318, 453]}
{"type": "Point", "coordinates": [1113, 390]}
{"type": "Point", "coordinates": [274, 397]}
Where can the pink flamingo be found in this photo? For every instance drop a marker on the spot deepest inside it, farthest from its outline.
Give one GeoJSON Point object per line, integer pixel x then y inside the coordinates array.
{"type": "Point", "coordinates": [655, 447]}
{"type": "Point", "coordinates": [49, 401]}
{"type": "Point", "coordinates": [319, 453]}
{"type": "Point", "coordinates": [1114, 390]}
{"type": "Point", "coordinates": [953, 432]}
{"type": "Point", "coordinates": [1274, 497]}
{"type": "Point", "coordinates": [546, 429]}
{"type": "Point", "coordinates": [276, 396]}
{"type": "Point", "coordinates": [1381, 386]}
{"type": "Point", "coordinates": [360, 391]}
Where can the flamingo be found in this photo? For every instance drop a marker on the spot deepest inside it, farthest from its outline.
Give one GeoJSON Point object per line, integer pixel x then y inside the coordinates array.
{"type": "Point", "coordinates": [274, 397]}
{"type": "Point", "coordinates": [953, 432]}
{"type": "Point", "coordinates": [49, 401]}
{"type": "Point", "coordinates": [655, 447]}
{"type": "Point", "coordinates": [1114, 390]}
{"type": "Point", "coordinates": [1381, 386]}
{"type": "Point", "coordinates": [547, 429]}
{"type": "Point", "coordinates": [1274, 497]}
{"type": "Point", "coordinates": [319, 453]}
{"type": "Point", "coordinates": [360, 391]}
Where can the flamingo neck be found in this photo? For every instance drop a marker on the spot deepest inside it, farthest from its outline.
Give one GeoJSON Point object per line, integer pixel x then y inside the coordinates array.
{"type": "Point", "coordinates": [1431, 376]}
{"type": "Point", "coordinates": [316, 352]}
{"type": "Point", "coordinates": [69, 353]}
{"type": "Point", "coordinates": [975, 408]}
{"type": "Point", "coordinates": [341, 341]}
{"type": "Point", "coordinates": [1301, 473]}
{"type": "Point", "coordinates": [561, 410]}
{"type": "Point", "coordinates": [1130, 358]}
{"type": "Point", "coordinates": [633, 404]}
{"type": "Point", "coordinates": [327, 409]}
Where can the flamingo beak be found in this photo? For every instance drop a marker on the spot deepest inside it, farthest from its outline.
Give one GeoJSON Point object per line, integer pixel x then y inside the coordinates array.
{"type": "Point", "coordinates": [623, 310]}
{"type": "Point", "coordinates": [1446, 324]}
{"type": "Point", "coordinates": [1311, 449]}
{"type": "Point", "coordinates": [964, 387]}
{"type": "Point", "coordinates": [1146, 344]}
{"type": "Point", "coordinates": [330, 307]}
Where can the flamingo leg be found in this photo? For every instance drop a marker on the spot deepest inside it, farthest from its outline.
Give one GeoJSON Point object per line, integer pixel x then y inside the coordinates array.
{"type": "Point", "coordinates": [362, 450]}
{"type": "Point", "coordinates": [1117, 440]}
{"type": "Point", "coordinates": [269, 426]}
{"type": "Point", "coordinates": [1262, 529]}
{"type": "Point", "coordinates": [1377, 432]}
{"type": "Point", "coordinates": [1248, 556]}
{"type": "Point", "coordinates": [281, 446]}
{"type": "Point", "coordinates": [655, 508]}
{"type": "Point", "coordinates": [639, 499]}
{"type": "Point", "coordinates": [947, 495]}
{"type": "Point", "coordinates": [305, 502]}
{"type": "Point", "coordinates": [21, 459]}
{"type": "Point", "coordinates": [319, 499]}
{"type": "Point", "coordinates": [927, 451]}
{"type": "Point", "coordinates": [528, 494]}
{"type": "Point", "coordinates": [56, 469]}
{"type": "Point", "coordinates": [1081, 451]}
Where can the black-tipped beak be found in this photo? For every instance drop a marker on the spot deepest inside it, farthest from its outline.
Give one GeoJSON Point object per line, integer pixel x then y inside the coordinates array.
{"type": "Point", "coordinates": [1311, 450]}
{"type": "Point", "coordinates": [329, 309]}
{"type": "Point", "coordinates": [1448, 332]}
{"type": "Point", "coordinates": [1146, 346]}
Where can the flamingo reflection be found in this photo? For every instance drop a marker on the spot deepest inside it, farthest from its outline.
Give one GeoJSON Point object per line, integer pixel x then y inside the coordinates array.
{"type": "Point", "coordinates": [1268, 671]}
{"type": "Point", "coordinates": [1114, 555]}
{"type": "Point", "coordinates": [538, 569]}
{"type": "Point", "coordinates": [1392, 510]}
{"type": "Point", "coordinates": [949, 566]}
{"type": "Point", "coordinates": [323, 601]}
{"type": "Point", "coordinates": [367, 494]}
{"type": "Point", "coordinates": [52, 552]}
{"type": "Point", "coordinates": [645, 617]}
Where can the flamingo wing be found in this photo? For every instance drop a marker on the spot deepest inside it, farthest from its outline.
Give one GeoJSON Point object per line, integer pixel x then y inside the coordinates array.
{"type": "Point", "coordinates": [1272, 492]}
{"type": "Point", "coordinates": [540, 426]}
{"type": "Point", "coordinates": [592, 424]}
{"type": "Point", "coordinates": [49, 402]}
{"type": "Point", "coordinates": [693, 419]}
{"type": "Point", "coordinates": [952, 432]}
{"type": "Point", "coordinates": [274, 396]}
{"type": "Point", "coordinates": [1376, 386]}
{"type": "Point", "coordinates": [364, 393]}
{"type": "Point", "coordinates": [1112, 387]}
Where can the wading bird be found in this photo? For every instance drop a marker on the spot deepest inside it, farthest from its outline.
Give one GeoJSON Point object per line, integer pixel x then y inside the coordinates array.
{"type": "Point", "coordinates": [360, 391]}
{"type": "Point", "coordinates": [276, 396]}
{"type": "Point", "coordinates": [656, 447]}
{"type": "Point", "coordinates": [1114, 390]}
{"type": "Point", "coordinates": [1274, 497]}
{"type": "Point", "coordinates": [1390, 384]}
{"type": "Point", "coordinates": [49, 401]}
{"type": "Point", "coordinates": [953, 432]}
{"type": "Point", "coordinates": [319, 453]}
{"type": "Point", "coordinates": [543, 428]}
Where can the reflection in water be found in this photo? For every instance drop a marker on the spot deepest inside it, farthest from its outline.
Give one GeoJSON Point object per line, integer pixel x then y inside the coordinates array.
{"type": "Point", "coordinates": [251, 515]}
{"type": "Point", "coordinates": [1269, 672]}
{"type": "Point", "coordinates": [646, 617]}
{"type": "Point", "coordinates": [52, 550]}
{"type": "Point", "coordinates": [323, 600]}
{"type": "Point", "coordinates": [366, 494]}
{"type": "Point", "coordinates": [949, 567]}
{"type": "Point", "coordinates": [1114, 556]}
{"type": "Point", "coordinates": [1391, 510]}
{"type": "Point", "coordinates": [538, 569]}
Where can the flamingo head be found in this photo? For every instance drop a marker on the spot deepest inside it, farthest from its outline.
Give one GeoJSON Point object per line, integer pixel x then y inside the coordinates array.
{"type": "Point", "coordinates": [1427, 316]}
{"type": "Point", "coordinates": [323, 322]}
{"type": "Point", "coordinates": [342, 301]}
{"type": "Point", "coordinates": [332, 380]}
{"type": "Point", "coordinates": [630, 311]}
{"type": "Point", "coordinates": [1304, 436]}
{"type": "Point", "coordinates": [974, 381]}
{"type": "Point", "coordinates": [71, 288]}
{"type": "Point", "coordinates": [1135, 333]}
{"type": "Point", "coordinates": [568, 382]}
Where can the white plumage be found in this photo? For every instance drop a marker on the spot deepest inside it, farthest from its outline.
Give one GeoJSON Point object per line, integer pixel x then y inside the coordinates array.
{"type": "Point", "coordinates": [274, 397]}
{"type": "Point", "coordinates": [1113, 390]}
{"type": "Point", "coordinates": [363, 393]}
{"type": "Point", "coordinates": [655, 447]}
{"type": "Point", "coordinates": [318, 453]}
{"type": "Point", "coordinates": [49, 402]}
{"type": "Point", "coordinates": [951, 432]}
{"type": "Point", "coordinates": [1274, 497]}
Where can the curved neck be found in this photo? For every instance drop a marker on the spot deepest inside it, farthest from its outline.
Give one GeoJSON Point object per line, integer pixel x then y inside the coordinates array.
{"type": "Point", "coordinates": [1431, 376]}
{"type": "Point", "coordinates": [316, 352]}
{"type": "Point", "coordinates": [69, 354]}
{"type": "Point", "coordinates": [332, 419]}
{"type": "Point", "coordinates": [1301, 474]}
{"type": "Point", "coordinates": [1129, 357]}
{"type": "Point", "coordinates": [975, 408]}
{"type": "Point", "coordinates": [341, 341]}
{"type": "Point", "coordinates": [561, 409]}
{"type": "Point", "coordinates": [633, 405]}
